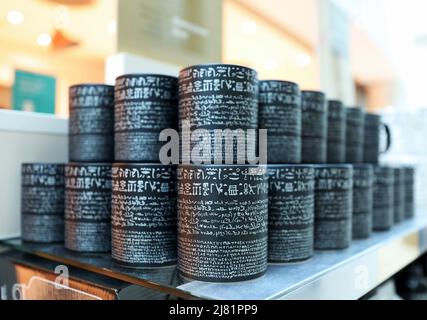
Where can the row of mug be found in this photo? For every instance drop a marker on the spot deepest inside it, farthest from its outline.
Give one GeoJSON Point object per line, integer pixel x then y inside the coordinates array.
{"type": "Point", "coordinates": [221, 223]}
{"type": "Point", "coordinates": [122, 123]}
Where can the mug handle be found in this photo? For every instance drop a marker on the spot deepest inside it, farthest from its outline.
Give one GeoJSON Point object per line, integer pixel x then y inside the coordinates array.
{"type": "Point", "coordinates": [388, 134]}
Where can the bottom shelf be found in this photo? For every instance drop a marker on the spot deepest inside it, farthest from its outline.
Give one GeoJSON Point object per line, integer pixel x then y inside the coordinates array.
{"type": "Point", "coordinates": [345, 274]}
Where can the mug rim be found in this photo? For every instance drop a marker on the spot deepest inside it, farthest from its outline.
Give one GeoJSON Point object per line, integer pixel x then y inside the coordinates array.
{"type": "Point", "coordinates": [141, 164]}
{"type": "Point", "coordinates": [332, 166]}
{"type": "Point", "coordinates": [278, 166]}
{"type": "Point", "coordinates": [145, 75]}
{"type": "Point", "coordinates": [43, 163]}
{"type": "Point", "coordinates": [280, 81]}
{"type": "Point", "coordinates": [335, 101]}
{"type": "Point", "coordinates": [208, 166]}
{"type": "Point", "coordinates": [91, 84]}
{"type": "Point", "coordinates": [355, 108]}
{"type": "Point", "coordinates": [84, 164]}
{"type": "Point", "coordinates": [315, 92]}
{"type": "Point", "coordinates": [373, 115]}
{"type": "Point", "coordinates": [201, 65]}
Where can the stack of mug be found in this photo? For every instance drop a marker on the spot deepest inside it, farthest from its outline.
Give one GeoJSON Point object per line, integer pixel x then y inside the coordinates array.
{"type": "Point", "coordinates": [143, 190]}
{"type": "Point", "coordinates": [42, 202]}
{"type": "Point", "coordinates": [75, 196]}
{"type": "Point", "coordinates": [310, 201]}
{"type": "Point", "coordinates": [222, 208]}
{"type": "Point", "coordinates": [88, 174]}
{"type": "Point", "coordinates": [127, 206]}
{"type": "Point", "coordinates": [378, 190]}
{"type": "Point", "coordinates": [291, 184]}
{"type": "Point", "coordinates": [334, 179]}
{"type": "Point", "coordinates": [390, 182]}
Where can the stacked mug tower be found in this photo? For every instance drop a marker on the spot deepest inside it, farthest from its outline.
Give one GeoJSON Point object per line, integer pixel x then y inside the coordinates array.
{"type": "Point", "coordinates": [322, 188]}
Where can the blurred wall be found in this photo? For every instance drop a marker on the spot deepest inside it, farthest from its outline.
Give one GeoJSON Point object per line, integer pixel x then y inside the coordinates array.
{"type": "Point", "coordinates": [68, 70]}
{"type": "Point", "coordinates": [380, 95]}
{"type": "Point", "coordinates": [347, 42]}
{"type": "Point", "coordinates": [373, 60]}
{"type": "Point", "coordinates": [253, 38]}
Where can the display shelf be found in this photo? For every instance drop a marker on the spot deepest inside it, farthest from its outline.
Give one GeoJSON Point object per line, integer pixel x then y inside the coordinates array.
{"type": "Point", "coordinates": [345, 274]}
{"type": "Point", "coordinates": [162, 279]}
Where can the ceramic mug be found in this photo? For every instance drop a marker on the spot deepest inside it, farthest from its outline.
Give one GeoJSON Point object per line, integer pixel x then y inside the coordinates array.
{"type": "Point", "coordinates": [372, 148]}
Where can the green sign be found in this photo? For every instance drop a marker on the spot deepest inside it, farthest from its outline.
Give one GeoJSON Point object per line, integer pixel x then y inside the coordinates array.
{"type": "Point", "coordinates": [33, 92]}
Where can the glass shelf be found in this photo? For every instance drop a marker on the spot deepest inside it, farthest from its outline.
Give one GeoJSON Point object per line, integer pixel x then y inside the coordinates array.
{"type": "Point", "coordinates": [345, 274]}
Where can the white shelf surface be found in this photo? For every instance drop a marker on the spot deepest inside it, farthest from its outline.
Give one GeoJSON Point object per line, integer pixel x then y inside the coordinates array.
{"type": "Point", "coordinates": [38, 123]}
{"type": "Point", "coordinates": [345, 275]}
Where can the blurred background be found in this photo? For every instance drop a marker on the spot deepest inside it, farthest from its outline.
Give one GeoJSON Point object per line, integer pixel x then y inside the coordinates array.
{"type": "Point", "coordinates": [366, 53]}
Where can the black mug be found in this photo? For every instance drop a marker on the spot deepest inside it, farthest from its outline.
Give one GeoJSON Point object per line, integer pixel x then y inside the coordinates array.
{"type": "Point", "coordinates": [336, 132]}
{"type": "Point", "coordinates": [280, 114]}
{"type": "Point", "coordinates": [333, 206]}
{"type": "Point", "coordinates": [218, 97]}
{"type": "Point", "coordinates": [314, 128]}
{"type": "Point", "coordinates": [399, 194]}
{"type": "Point", "coordinates": [42, 202]}
{"type": "Point", "coordinates": [363, 199]}
{"type": "Point", "coordinates": [409, 192]}
{"type": "Point", "coordinates": [372, 148]}
{"type": "Point", "coordinates": [383, 213]}
{"type": "Point", "coordinates": [143, 215]}
{"type": "Point", "coordinates": [145, 105]}
{"type": "Point", "coordinates": [290, 213]}
{"type": "Point", "coordinates": [91, 132]}
{"type": "Point", "coordinates": [222, 222]}
{"type": "Point", "coordinates": [355, 135]}
{"type": "Point", "coordinates": [88, 207]}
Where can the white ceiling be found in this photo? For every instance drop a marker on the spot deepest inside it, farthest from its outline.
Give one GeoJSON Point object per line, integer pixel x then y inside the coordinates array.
{"type": "Point", "coordinates": [87, 24]}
